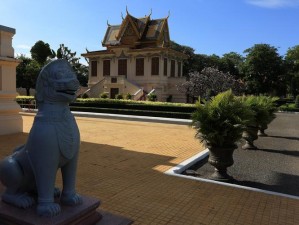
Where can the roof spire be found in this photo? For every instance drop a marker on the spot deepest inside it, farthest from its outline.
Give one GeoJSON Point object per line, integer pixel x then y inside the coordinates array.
{"type": "Point", "coordinates": [122, 16]}
{"type": "Point", "coordinates": [127, 10]}
{"type": "Point", "coordinates": [108, 23]}
{"type": "Point", "coordinates": [168, 14]}
{"type": "Point", "coordinates": [151, 12]}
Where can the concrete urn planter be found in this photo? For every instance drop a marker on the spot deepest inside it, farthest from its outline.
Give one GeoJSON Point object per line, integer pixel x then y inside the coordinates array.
{"type": "Point", "coordinates": [261, 131]}
{"type": "Point", "coordinates": [221, 158]}
{"type": "Point", "coordinates": [250, 135]}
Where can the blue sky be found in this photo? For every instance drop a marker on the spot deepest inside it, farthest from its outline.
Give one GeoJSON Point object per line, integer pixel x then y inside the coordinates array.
{"type": "Point", "coordinates": [208, 26]}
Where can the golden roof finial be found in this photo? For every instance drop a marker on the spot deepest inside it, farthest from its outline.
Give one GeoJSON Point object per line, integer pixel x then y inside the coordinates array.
{"type": "Point", "coordinates": [108, 24]}
{"type": "Point", "coordinates": [151, 12]}
{"type": "Point", "coordinates": [122, 16]}
{"type": "Point", "coordinates": [127, 10]}
{"type": "Point", "coordinates": [168, 14]}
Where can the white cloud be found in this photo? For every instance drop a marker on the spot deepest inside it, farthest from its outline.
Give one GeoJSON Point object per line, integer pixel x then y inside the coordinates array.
{"type": "Point", "coordinates": [274, 3]}
{"type": "Point", "coordinates": [23, 47]}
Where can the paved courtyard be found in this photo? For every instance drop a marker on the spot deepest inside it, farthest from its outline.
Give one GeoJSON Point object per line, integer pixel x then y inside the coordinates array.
{"type": "Point", "coordinates": [122, 163]}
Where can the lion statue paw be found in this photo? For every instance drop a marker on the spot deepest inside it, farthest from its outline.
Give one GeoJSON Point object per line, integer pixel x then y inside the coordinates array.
{"type": "Point", "coordinates": [71, 199]}
{"type": "Point", "coordinates": [48, 209]}
{"type": "Point", "coordinates": [22, 200]}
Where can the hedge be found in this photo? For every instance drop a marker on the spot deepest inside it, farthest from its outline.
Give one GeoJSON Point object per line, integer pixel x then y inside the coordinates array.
{"type": "Point", "coordinates": [147, 107]}
{"type": "Point", "coordinates": [125, 101]}
{"type": "Point", "coordinates": [284, 101]}
{"type": "Point", "coordinates": [289, 108]}
{"type": "Point", "coordinates": [127, 107]}
{"type": "Point", "coordinates": [178, 115]}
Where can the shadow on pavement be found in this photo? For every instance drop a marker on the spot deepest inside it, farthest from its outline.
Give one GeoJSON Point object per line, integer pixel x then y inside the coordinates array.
{"type": "Point", "coordinates": [284, 152]}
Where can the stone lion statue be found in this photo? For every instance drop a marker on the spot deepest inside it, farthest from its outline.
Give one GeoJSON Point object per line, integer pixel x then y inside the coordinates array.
{"type": "Point", "coordinates": [29, 173]}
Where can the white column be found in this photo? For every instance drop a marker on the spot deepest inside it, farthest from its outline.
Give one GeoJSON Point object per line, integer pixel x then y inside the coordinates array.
{"type": "Point", "coordinates": [10, 120]}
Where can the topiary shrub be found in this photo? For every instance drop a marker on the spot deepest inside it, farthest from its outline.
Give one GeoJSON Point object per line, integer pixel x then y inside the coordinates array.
{"type": "Point", "coordinates": [128, 96]}
{"type": "Point", "coordinates": [85, 95]}
{"type": "Point", "coordinates": [152, 97]}
{"type": "Point", "coordinates": [104, 95]}
{"type": "Point", "coordinates": [169, 98]}
{"type": "Point", "coordinates": [119, 96]}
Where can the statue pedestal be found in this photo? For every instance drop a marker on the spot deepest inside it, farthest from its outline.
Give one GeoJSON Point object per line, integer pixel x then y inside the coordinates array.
{"type": "Point", "coordinates": [85, 214]}
{"type": "Point", "coordinates": [10, 119]}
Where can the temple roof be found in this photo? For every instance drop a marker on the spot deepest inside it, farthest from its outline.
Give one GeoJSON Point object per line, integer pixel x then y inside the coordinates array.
{"type": "Point", "coordinates": [138, 32]}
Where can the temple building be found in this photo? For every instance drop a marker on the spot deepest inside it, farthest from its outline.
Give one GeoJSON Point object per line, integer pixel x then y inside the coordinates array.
{"type": "Point", "coordinates": [137, 60]}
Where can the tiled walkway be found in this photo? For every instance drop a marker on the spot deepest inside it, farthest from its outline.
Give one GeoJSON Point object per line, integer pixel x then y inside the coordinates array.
{"type": "Point", "coordinates": [122, 163]}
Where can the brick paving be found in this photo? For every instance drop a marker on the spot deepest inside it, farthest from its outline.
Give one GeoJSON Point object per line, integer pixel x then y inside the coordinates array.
{"type": "Point", "coordinates": [122, 164]}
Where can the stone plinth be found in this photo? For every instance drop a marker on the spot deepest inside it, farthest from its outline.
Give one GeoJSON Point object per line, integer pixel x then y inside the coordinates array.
{"type": "Point", "coordinates": [10, 120]}
{"type": "Point", "coordinates": [85, 214]}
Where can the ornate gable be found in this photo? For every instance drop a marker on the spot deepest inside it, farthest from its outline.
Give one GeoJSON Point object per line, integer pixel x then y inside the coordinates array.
{"type": "Point", "coordinates": [128, 26]}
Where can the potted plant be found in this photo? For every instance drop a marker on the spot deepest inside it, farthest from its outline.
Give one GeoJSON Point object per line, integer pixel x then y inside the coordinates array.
{"type": "Point", "coordinates": [269, 103]}
{"type": "Point", "coordinates": [261, 115]}
{"type": "Point", "coordinates": [220, 123]}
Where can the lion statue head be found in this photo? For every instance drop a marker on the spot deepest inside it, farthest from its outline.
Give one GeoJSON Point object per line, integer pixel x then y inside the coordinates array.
{"type": "Point", "coordinates": [57, 82]}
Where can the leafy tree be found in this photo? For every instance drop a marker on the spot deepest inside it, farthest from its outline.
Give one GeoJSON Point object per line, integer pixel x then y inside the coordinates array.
{"type": "Point", "coordinates": [264, 70]}
{"type": "Point", "coordinates": [40, 51]}
{"type": "Point", "coordinates": [292, 57]}
{"type": "Point", "coordinates": [203, 61]}
{"type": "Point", "coordinates": [292, 65]}
{"type": "Point", "coordinates": [81, 70]}
{"type": "Point", "coordinates": [188, 64]}
{"type": "Point", "coordinates": [27, 72]}
{"type": "Point", "coordinates": [232, 63]}
{"type": "Point", "coordinates": [209, 82]}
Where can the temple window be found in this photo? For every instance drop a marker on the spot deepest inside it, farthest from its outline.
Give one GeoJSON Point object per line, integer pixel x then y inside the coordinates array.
{"type": "Point", "coordinates": [106, 67]}
{"type": "Point", "coordinates": [94, 68]}
{"type": "Point", "coordinates": [172, 68]}
{"type": "Point", "coordinates": [155, 66]}
{"type": "Point", "coordinates": [139, 66]}
{"type": "Point", "coordinates": [122, 67]}
{"type": "Point", "coordinates": [165, 67]}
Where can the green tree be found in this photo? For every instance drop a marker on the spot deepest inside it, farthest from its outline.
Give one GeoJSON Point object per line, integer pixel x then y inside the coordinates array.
{"type": "Point", "coordinates": [292, 65]}
{"type": "Point", "coordinates": [232, 63]}
{"type": "Point", "coordinates": [188, 64]}
{"type": "Point", "coordinates": [292, 56]}
{"type": "Point", "coordinates": [81, 70]}
{"type": "Point", "coordinates": [40, 52]}
{"type": "Point", "coordinates": [203, 61]}
{"type": "Point", "coordinates": [264, 70]}
{"type": "Point", "coordinates": [27, 72]}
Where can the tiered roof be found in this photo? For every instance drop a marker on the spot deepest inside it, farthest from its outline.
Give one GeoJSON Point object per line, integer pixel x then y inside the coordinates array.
{"type": "Point", "coordinates": [138, 33]}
